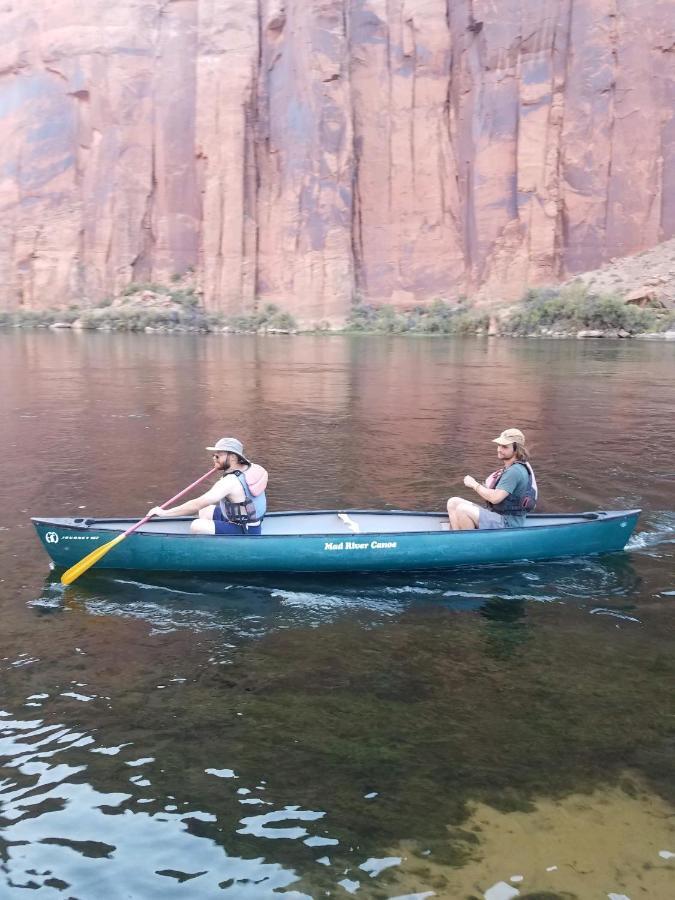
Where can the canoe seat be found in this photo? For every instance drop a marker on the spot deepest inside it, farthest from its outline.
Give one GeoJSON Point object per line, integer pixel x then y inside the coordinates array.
{"type": "Point", "coordinates": [349, 522]}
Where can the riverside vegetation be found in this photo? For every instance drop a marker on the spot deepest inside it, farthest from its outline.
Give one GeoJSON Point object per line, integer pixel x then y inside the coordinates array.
{"type": "Point", "coordinates": [543, 312]}
{"type": "Point", "coordinates": [570, 310]}
{"type": "Point", "coordinates": [152, 307]}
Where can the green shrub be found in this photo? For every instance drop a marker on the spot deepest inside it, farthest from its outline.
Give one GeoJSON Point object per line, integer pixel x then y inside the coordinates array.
{"type": "Point", "coordinates": [131, 317]}
{"type": "Point", "coordinates": [137, 287]}
{"type": "Point", "coordinates": [32, 318]}
{"type": "Point", "coordinates": [69, 315]}
{"type": "Point", "coordinates": [363, 317]}
{"type": "Point", "coordinates": [269, 318]}
{"type": "Point", "coordinates": [41, 318]}
{"type": "Point", "coordinates": [440, 317]}
{"type": "Point", "coordinates": [215, 321]}
{"type": "Point", "coordinates": [572, 309]}
{"type": "Point", "coordinates": [285, 322]}
{"type": "Point", "coordinates": [469, 323]}
{"type": "Point", "coordinates": [186, 297]}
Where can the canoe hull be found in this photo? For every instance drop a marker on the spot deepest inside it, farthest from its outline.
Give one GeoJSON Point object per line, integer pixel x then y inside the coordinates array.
{"type": "Point", "coordinates": [69, 540]}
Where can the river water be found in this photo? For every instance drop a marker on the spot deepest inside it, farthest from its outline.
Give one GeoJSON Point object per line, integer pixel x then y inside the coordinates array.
{"type": "Point", "coordinates": [464, 735]}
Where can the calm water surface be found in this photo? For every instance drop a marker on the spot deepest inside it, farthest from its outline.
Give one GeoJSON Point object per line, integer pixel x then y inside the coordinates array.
{"type": "Point", "coordinates": [378, 737]}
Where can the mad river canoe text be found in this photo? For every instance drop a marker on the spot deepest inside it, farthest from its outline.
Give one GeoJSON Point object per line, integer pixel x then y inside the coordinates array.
{"type": "Point", "coordinates": [357, 545]}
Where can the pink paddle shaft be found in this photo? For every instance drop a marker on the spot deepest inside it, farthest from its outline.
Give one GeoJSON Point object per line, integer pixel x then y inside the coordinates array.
{"type": "Point", "coordinates": [172, 500]}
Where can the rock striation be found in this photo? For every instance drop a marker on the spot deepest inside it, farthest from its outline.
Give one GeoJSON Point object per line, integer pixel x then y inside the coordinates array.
{"type": "Point", "coordinates": [308, 152]}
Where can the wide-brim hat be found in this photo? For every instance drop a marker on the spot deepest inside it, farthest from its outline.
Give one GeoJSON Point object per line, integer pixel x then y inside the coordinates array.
{"type": "Point", "coordinates": [229, 445]}
{"type": "Point", "coordinates": [510, 436]}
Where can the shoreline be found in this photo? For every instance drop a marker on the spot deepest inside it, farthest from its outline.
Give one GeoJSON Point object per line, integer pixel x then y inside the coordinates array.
{"type": "Point", "coordinates": [554, 313]}
{"type": "Point", "coordinates": [610, 334]}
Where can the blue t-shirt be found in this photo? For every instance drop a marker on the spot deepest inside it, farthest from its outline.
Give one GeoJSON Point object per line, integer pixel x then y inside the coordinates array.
{"type": "Point", "coordinates": [515, 481]}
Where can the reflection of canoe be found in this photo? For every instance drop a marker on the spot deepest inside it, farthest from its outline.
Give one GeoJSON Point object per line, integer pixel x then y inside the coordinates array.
{"type": "Point", "coordinates": [326, 541]}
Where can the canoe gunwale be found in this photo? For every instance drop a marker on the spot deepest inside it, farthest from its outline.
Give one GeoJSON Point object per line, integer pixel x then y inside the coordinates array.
{"type": "Point", "coordinates": [564, 519]}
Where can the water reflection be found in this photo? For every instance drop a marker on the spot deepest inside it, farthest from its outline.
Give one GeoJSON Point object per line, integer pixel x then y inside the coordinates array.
{"type": "Point", "coordinates": [387, 736]}
{"type": "Point", "coordinates": [256, 606]}
{"type": "Point", "coordinates": [195, 774]}
{"type": "Point", "coordinates": [53, 813]}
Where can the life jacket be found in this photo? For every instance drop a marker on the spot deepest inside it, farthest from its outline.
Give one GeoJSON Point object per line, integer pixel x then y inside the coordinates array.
{"type": "Point", "coordinates": [254, 506]}
{"type": "Point", "coordinates": [511, 504]}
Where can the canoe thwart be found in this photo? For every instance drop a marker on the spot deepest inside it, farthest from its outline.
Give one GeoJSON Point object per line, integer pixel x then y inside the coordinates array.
{"type": "Point", "coordinates": [349, 522]}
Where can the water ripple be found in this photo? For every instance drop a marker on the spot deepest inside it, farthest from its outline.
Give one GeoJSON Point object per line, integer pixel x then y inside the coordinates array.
{"type": "Point", "coordinates": [599, 611]}
{"type": "Point", "coordinates": [50, 814]}
{"type": "Point", "coordinates": [663, 532]}
{"type": "Point", "coordinates": [260, 825]}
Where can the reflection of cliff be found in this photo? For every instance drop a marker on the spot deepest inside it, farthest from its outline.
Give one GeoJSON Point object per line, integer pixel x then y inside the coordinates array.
{"type": "Point", "coordinates": [307, 152]}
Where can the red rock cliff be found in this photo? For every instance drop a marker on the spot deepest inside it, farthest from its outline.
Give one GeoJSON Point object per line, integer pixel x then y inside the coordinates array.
{"type": "Point", "coordinates": [307, 151]}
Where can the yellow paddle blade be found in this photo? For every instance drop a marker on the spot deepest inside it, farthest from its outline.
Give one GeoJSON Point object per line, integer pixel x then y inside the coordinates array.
{"type": "Point", "coordinates": [88, 561]}
{"type": "Point", "coordinates": [93, 557]}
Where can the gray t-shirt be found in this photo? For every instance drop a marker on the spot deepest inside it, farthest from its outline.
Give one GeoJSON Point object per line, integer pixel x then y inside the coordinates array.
{"type": "Point", "coordinates": [515, 481]}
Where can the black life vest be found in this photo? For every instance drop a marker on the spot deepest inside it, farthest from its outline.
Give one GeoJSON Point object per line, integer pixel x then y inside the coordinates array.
{"type": "Point", "coordinates": [514, 504]}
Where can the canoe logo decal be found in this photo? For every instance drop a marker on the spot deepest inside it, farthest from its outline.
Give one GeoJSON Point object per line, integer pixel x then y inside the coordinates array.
{"type": "Point", "coordinates": [52, 537]}
{"type": "Point", "coordinates": [360, 545]}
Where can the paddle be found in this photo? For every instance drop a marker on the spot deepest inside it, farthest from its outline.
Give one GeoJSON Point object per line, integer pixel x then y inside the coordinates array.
{"type": "Point", "coordinates": [88, 561]}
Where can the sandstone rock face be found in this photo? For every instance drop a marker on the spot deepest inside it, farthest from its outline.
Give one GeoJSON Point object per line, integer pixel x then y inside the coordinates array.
{"type": "Point", "coordinates": [305, 152]}
{"type": "Point", "coordinates": [646, 279]}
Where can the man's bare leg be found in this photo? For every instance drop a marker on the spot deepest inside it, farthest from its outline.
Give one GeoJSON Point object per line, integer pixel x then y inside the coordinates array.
{"type": "Point", "coordinates": [463, 515]}
{"type": "Point", "coordinates": [204, 523]}
{"type": "Point", "coordinates": [202, 526]}
{"type": "Point", "coordinates": [465, 520]}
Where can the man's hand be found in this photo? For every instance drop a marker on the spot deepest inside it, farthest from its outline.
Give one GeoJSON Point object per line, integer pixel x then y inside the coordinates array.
{"type": "Point", "coordinates": [470, 482]}
{"type": "Point", "coordinates": [157, 511]}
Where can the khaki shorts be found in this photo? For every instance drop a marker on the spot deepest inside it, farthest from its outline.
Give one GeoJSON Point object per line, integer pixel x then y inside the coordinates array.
{"type": "Point", "coordinates": [487, 518]}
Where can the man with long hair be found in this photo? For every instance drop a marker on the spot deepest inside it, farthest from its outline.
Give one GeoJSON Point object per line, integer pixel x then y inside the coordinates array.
{"type": "Point", "coordinates": [509, 493]}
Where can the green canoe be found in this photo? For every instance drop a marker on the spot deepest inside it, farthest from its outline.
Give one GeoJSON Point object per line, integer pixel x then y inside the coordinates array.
{"type": "Point", "coordinates": [333, 541]}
